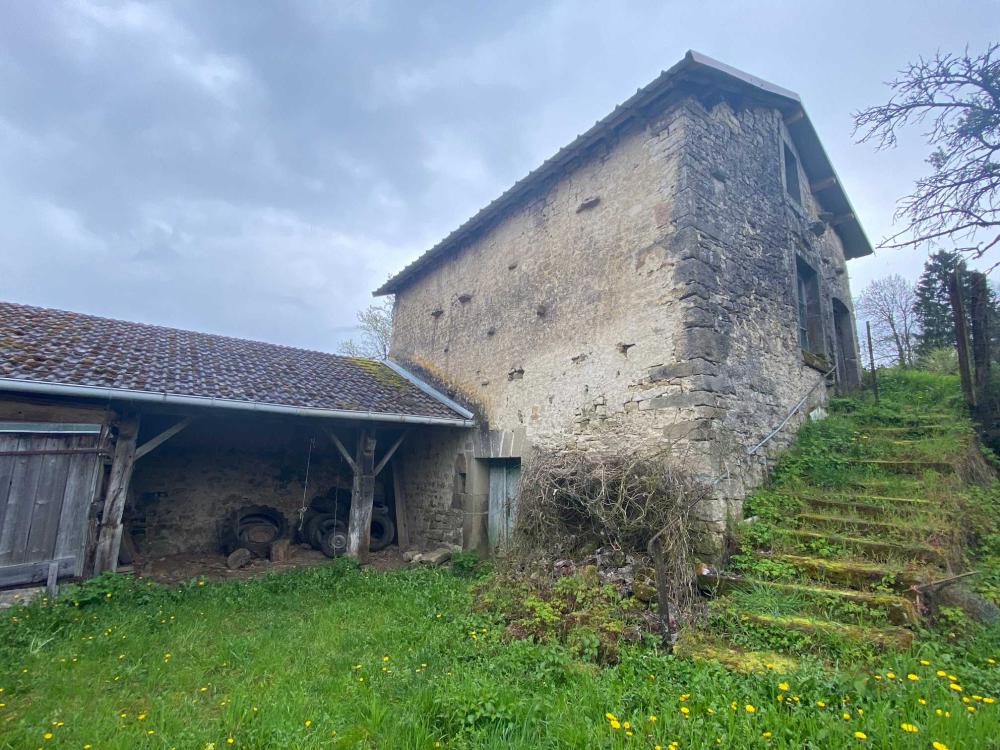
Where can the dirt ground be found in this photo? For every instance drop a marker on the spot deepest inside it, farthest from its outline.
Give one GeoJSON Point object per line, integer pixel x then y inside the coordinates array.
{"type": "Point", "coordinates": [212, 567]}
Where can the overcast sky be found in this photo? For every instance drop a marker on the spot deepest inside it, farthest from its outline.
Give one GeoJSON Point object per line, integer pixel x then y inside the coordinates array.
{"type": "Point", "coordinates": [257, 168]}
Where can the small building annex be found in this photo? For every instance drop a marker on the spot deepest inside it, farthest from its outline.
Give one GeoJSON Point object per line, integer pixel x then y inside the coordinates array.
{"type": "Point", "coordinates": [119, 439]}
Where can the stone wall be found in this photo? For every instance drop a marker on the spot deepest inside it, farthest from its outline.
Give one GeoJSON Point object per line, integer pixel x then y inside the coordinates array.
{"type": "Point", "coordinates": [185, 488]}
{"type": "Point", "coordinates": [647, 299]}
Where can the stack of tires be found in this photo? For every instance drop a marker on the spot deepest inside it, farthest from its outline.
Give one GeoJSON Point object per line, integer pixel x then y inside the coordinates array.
{"type": "Point", "coordinates": [253, 527]}
{"type": "Point", "coordinates": [324, 525]}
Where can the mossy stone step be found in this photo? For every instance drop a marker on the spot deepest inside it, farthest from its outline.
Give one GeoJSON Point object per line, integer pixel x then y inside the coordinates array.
{"type": "Point", "coordinates": [879, 510]}
{"type": "Point", "coordinates": [893, 466]}
{"type": "Point", "coordinates": [854, 573]}
{"type": "Point", "coordinates": [897, 609]}
{"type": "Point", "coordinates": [885, 529]}
{"type": "Point", "coordinates": [885, 638]}
{"type": "Point", "coordinates": [700, 648]}
{"type": "Point", "coordinates": [871, 547]}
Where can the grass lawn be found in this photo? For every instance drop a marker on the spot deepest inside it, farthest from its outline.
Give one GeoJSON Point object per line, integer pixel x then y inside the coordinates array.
{"type": "Point", "coordinates": [334, 657]}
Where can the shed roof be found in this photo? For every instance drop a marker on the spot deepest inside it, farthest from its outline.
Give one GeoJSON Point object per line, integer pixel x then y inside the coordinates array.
{"type": "Point", "coordinates": [67, 353]}
{"type": "Point", "coordinates": [694, 68]}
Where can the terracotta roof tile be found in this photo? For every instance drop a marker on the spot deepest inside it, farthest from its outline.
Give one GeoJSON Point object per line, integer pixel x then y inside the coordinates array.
{"type": "Point", "coordinates": [55, 346]}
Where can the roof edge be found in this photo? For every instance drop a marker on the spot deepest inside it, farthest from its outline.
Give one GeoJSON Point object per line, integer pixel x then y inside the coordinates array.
{"type": "Point", "coordinates": [428, 389]}
{"type": "Point", "coordinates": [123, 394]}
{"type": "Point", "coordinates": [852, 235]}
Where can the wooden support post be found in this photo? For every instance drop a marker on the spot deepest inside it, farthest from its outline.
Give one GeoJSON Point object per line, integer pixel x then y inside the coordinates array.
{"type": "Point", "coordinates": [160, 439]}
{"type": "Point", "coordinates": [871, 359]}
{"type": "Point", "coordinates": [961, 336]}
{"type": "Point", "coordinates": [980, 303]}
{"type": "Point", "coordinates": [402, 523]}
{"type": "Point", "coordinates": [343, 451]}
{"type": "Point", "coordinates": [110, 536]}
{"type": "Point", "coordinates": [359, 527]}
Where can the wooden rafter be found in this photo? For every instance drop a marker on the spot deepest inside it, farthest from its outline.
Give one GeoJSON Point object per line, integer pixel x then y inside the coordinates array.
{"type": "Point", "coordinates": [388, 454]}
{"type": "Point", "coordinates": [343, 451]}
{"type": "Point", "coordinates": [163, 437]}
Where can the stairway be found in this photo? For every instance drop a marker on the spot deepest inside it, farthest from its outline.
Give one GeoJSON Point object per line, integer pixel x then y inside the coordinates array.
{"type": "Point", "coordinates": [860, 513]}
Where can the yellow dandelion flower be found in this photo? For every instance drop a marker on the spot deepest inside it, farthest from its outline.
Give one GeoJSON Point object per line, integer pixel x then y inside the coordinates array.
{"type": "Point", "coordinates": [626, 725]}
{"type": "Point", "coordinates": [385, 658]}
{"type": "Point", "coordinates": [308, 723]}
{"type": "Point", "coordinates": [907, 727]}
{"type": "Point", "coordinates": [912, 677]}
{"type": "Point", "coordinates": [891, 675]}
{"type": "Point", "coordinates": [628, 733]}
{"type": "Point", "coordinates": [781, 697]}
{"type": "Point", "coordinates": [971, 709]}
{"type": "Point", "coordinates": [782, 686]}
{"type": "Point", "coordinates": [939, 745]}
{"type": "Point", "coordinates": [989, 700]}
{"type": "Point", "coordinates": [925, 663]}
{"type": "Point", "coordinates": [956, 688]}
{"type": "Point", "coordinates": [922, 701]}
{"type": "Point", "coordinates": [749, 709]}
{"type": "Point", "coordinates": [685, 710]}
{"type": "Point", "coordinates": [47, 736]}
{"type": "Point", "coordinates": [938, 712]}
{"type": "Point", "coordinates": [846, 716]}
{"type": "Point", "coordinates": [615, 724]}
{"type": "Point", "coordinates": [230, 740]}
{"type": "Point", "coordinates": [941, 673]}
{"type": "Point", "coordinates": [860, 736]}
{"type": "Point", "coordinates": [652, 718]}
{"type": "Point", "coordinates": [610, 717]}
{"type": "Point", "coordinates": [953, 678]}
{"type": "Point", "coordinates": [766, 734]}
{"type": "Point", "coordinates": [821, 704]}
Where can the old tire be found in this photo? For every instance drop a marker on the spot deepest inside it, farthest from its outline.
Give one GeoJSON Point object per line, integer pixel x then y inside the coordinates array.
{"type": "Point", "coordinates": [382, 532]}
{"type": "Point", "coordinates": [334, 540]}
{"type": "Point", "coordinates": [255, 527]}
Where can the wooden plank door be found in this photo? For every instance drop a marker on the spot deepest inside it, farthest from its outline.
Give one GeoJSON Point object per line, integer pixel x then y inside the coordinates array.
{"type": "Point", "coordinates": [47, 483]}
{"type": "Point", "coordinates": [504, 476]}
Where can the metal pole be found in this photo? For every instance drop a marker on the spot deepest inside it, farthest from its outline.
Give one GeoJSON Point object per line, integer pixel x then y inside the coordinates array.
{"type": "Point", "coordinates": [871, 359]}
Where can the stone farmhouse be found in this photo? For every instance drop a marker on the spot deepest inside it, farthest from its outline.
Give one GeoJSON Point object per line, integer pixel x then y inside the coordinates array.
{"type": "Point", "coordinates": [676, 276]}
{"type": "Point", "coordinates": [675, 279]}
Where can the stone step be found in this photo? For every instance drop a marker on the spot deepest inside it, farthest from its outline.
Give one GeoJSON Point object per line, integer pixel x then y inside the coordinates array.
{"type": "Point", "coordinates": [897, 609]}
{"type": "Point", "coordinates": [855, 573]}
{"type": "Point", "coordinates": [880, 529]}
{"type": "Point", "coordinates": [872, 548]}
{"type": "Point", "coordinates": [883, 638]}
{"type": "Point", "coordinates": [922, 510]}
{"type": "Point", "coordinates": [892, 466]}
{"type": "Point", "coordinates": [731, 657]}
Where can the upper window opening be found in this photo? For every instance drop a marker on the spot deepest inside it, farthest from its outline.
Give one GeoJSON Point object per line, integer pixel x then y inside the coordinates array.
{"type": "Point", "coordinates": [792, 175]}
{"type": "Point", "coordinates": [810, 318]}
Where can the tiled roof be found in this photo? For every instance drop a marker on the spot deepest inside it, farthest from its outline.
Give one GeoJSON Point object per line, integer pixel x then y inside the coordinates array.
{"type": "Point", "coordinates": [694, 69]}
{"type": "Point", "coordinates": [71, 349]}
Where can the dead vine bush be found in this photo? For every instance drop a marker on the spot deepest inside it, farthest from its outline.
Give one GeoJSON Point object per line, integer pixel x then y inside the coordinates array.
{"type": "Point", "coordinates": [571, 502]}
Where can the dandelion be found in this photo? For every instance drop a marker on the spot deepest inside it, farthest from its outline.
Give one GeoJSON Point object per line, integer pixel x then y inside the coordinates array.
{"type": "Point", "coordinates": [989, 700]}
{"type": "Point", "coordinates": [308, 723]}
{"type": "Point", "coordinates": [652, 719]}
{"type": "Point", "coordinates": [685, 710]}
{"type": "Point", "coordinates": [782, 686]}
{"type": "Point", "coordinates": [766, 734]}
{"type": "Point", "coordinates": [941, 673]}
{"type": "Point", "coordinates": [860, 736]}
{"type": "Point", "coordinates": [821, 704]}
{"type": "Point", "coordinates": [939, 745]}
{"type": "Point", "coordinates": [47, 736]}
{"type": "Point", "coordinates": [912, 677]}
{"type": "Point", "coordinates": [925, 663]}
{"type": "Point", "coordinates": [230, 740]}
{"type": "Point", "coordinates": [891, 675]}
{"type": "Point", "coordinates": [907, 727]}
{"type": "Point", "coordinates": [610, 717]}
{"type": "Point", "coordinates": [626, 725]}
{"type": "Point", "coordinates": [922, 701]}
{"type": "Point", "coordinates": [846, 716]}
{"type": "Point", "coordinates": [749, 709]}
{"type": "Point", "coordinates": [615, 724]}
{"type": "Point", "coordinates": [956, 688]}
{"type": "Point", "coordinates": [971, 709]}
{"type": "Point", "coordinates": [385, 658]}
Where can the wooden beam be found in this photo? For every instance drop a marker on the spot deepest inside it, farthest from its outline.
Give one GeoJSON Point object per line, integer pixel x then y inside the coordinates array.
{"type": "Point", "coordinates": [388, 454]}
{"type": "Point", "coordinates": [110, 536]}
{"type": "Point", "coordinates": [402, 523]}
{"type": "Point", "coordinates": [359, 527]}
{"type": "Point", "coordinates": [823, 184]}
{"type": "Point", "coordinates": [795, 116]}
{"type": "Point", "coordinates": [343, 452]}
{"type": "Point", "coordinates": [160, 439]}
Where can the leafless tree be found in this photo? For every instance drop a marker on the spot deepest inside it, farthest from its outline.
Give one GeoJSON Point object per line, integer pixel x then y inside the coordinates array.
{"type": "Point", "coordinates": [887, 303]}
{"type": "Point", "coordinates": [956, 98]}
{"type": "Point", "coordinates": [375, 323]}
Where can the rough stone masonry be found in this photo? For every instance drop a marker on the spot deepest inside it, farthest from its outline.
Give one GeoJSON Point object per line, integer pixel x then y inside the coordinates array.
{"type": "Point", "coordinates": [678, 285]}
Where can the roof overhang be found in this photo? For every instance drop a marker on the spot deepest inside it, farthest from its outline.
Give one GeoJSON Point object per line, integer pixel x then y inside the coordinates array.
{"type": "Point", "coordinates": [693, 68]}
{"type": "Point", "coordinates": [123, 395]}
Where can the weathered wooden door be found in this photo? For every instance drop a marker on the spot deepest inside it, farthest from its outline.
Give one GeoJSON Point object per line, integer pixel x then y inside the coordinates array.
{"type": "Point", "coordinates": [47, 482]}
{"type": "Point", "coordinates": [503, 500]}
